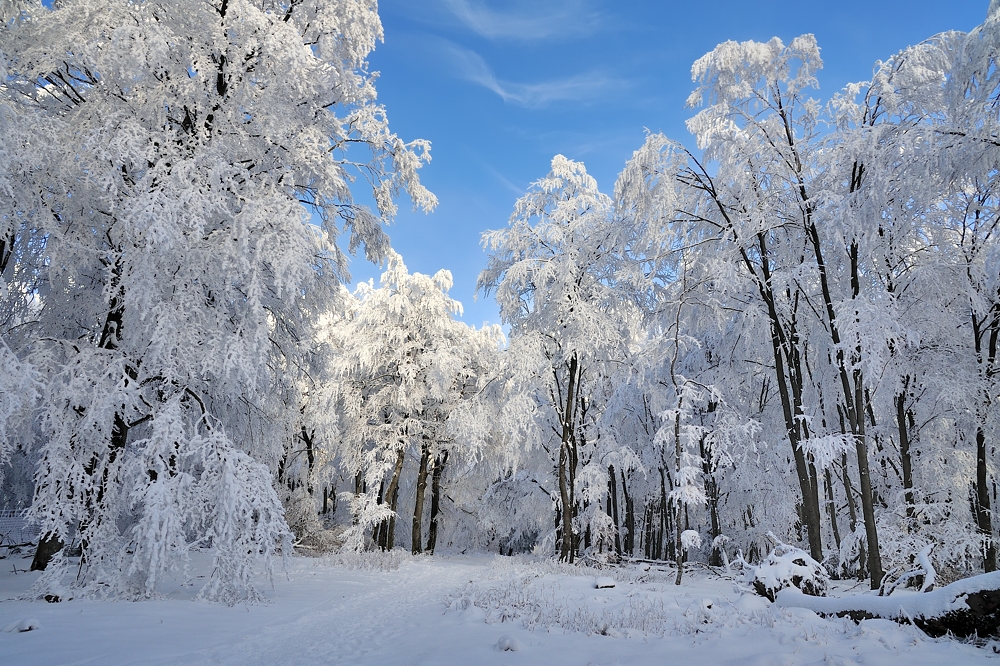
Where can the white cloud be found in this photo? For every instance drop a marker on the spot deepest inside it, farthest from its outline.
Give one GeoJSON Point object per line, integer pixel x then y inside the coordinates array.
{"type": "Point", "coordinates": [526, 20]}
{"type": "Point", "coordinates": [585, 87]}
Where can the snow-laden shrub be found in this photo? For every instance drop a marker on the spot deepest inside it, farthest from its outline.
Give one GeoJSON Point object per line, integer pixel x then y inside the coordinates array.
{"type": "Point", "coordinates": [548, 595]}
{"type": "Point", "coordinates": [787, 566]}
{"type": "Point", "coordinates": [169, 495]}
{"type": "Point", "coordinates": [958, 545]}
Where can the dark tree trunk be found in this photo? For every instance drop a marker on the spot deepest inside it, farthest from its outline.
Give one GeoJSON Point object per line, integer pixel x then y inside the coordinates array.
{"type": "Point", "coordinates": [904, 448]}
{"type": "Point", "coordinates": [48, 546]}
{"type": "Point", "coordinates": [988, 365]}
{"type": "Point", "coordinates": [307, 439]}
{"type": "Point", "coordinates": [831, 506]}
{"type": "Point", "coordinates": [789, 391]}
{"type": "Point", "coordinates": [983, 521]}
{"type": "Point", "coordinates": [629, 518]}
{"type": "Point", "coordinates": [416, 534]}
{"type": "Point", "coordinates": [712, 493]}
{"type": "Point", "coordinates": [381, 530]}
{"type": "Point", "coordinates": [391, 497]}
{"type": "Point", "coordinates": [6, 251]}
{"type": "Point", "coordinates": [665, 517]}
{"type": "Point", "coordinates": [613, 508]}
{"type": "Point", "coordinates": [435, 501]}
{"type": "Point", "coordinates": [567, 458]}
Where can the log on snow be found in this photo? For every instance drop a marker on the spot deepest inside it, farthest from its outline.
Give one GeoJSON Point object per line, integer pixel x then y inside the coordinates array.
{"type": "Point", "coordinates": [964, 608]}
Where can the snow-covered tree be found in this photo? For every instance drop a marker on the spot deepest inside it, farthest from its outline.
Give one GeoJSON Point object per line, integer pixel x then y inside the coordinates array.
{"type": "Point", "coordinates": [403, 365]}
{"type": "Point", "coordinates": [555, 272]}
{"type": "Point", "coordinates": [161, 163]}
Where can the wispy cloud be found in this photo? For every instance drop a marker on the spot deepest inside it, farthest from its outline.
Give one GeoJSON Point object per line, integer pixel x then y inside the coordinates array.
{"type": "Point", "coordinates": [506, 182]}
{"type": "Point", "coordinates": [527, 20]}
{"type": "Point", "coordinates": [586, 87]}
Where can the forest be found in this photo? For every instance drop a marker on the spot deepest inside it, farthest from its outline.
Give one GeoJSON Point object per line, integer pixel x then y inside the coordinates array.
{"type": "Point", "coordinates": [786, 332]}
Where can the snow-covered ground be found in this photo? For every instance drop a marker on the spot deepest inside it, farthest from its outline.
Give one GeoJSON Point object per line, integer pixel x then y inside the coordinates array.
{"type": "Point", "coordinates": [457, 610]}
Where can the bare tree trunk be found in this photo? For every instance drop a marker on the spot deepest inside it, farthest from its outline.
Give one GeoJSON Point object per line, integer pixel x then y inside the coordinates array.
{"type": "Point", "coordinates": [47, 548]}
{"type": "Point", "coordinates": [308, 440]}
{"type": "Point", "coordinates": [613, 508]}
{"type": "Point", "coordinates": [832, 506]}
{"type": "Point", "coordinates": [782, 344]}
{"type": "Point", "coordinates": [664, 526]}
{"type": "Point", "coordinates": [867, 500]}
{"type": "Point", "coordinates": [983, 520]}
{"type": "Point", "coordinates": [712, 493]}
{"type": "Point", "coordinates": [852, 510]}
{"type": "Point", "coordinates": [629, 518]}
{"type": "Point", "coordinates": [904, 448]}
{"type": "Point", "coordinates": [678, 458]}
{"type": "Point", "coordinates": [381, 530]}
{"type": "Point", "coordinates": [6, 251]}
{"type": "Point", "coordinates": [417, 534]}
{"type": "Point", "coordinates": [988, 364]}
{"type": "Point", "coordinates": [567, 549]}
{"type": "Point", "coordinates": [854, 392]}
{"type": "Point", "coordinates": [391, 496]}
{"type": "Point", "coordinates": [432, 532]}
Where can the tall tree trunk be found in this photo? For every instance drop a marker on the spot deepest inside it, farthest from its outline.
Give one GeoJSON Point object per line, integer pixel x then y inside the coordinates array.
{"type": "Point", "coordinates": [647, 532]}
{"type": "Point", "coordinates": [854, 398]}
{"type": "Point", "coordinates": [432, 531]}
{"type": "Point", "coordinates": [613, 508]}
{"type": "Point", "coordinates": [831, 506]}
{"type": "Point", "coordinates": [867, 498]}
{"type": "Point", "coordinates": [988, 367]}
{"type": "Point", "coordinates": [629, 518]}
{"type": "Point", "coordinates": [416, 534]}
{"type": "Point", "coordinates": [983, 520]}
{"type": "Point", "coordinates": [664, 526]}
{"type": "Point", "coordinates": [382, 529]}
{"type": "Point", "coordinates": [6, 251]}
{"type": "Point", "coordinates": [852, 512]}
{"type": "Point", "coordinates": [904, 447]}
{"type": "Point", "coordinates": [678, 459]}
{"type": "Point", "coordinates": [391, 496]}
{"type": "Point", "coordinates": [308, 440]}
{"type": "Point", "coordinates": [712, 493]}
{"type": "Point", "coordinates": [567, 550]}
{"type": "Point", "coordinates": [781, 346]}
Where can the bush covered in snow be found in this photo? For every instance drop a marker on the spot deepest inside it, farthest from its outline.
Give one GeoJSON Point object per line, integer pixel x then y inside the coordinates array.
{"type": "Point", "coordinates": [787, 566]}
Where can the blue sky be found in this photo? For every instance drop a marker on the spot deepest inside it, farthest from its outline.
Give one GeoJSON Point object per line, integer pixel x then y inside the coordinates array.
{"type": "Point", "coordinates": [500, 86]}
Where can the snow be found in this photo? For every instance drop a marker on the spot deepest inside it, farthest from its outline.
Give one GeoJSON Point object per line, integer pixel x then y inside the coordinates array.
{"type": "Point", "coordinates": [924, 557]}
{"type": "Point", "coordinates": [455, 610]}
{"type": "Point", "coordinates": [27, 624]}
{"type": "Point", "coordinates": [926, 605]}
{"type": "Point", "coordinates": [787, 566]}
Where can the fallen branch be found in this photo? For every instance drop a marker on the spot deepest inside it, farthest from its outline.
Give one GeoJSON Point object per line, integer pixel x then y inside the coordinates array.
{"type": "Point", "coordinates": [966, 607]}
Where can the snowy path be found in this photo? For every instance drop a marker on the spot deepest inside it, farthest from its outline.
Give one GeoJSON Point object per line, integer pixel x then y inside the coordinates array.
{"type": "Point", "coordinates": [359, 622]}
{"type": "Point", "coordinates": [326, 614]}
